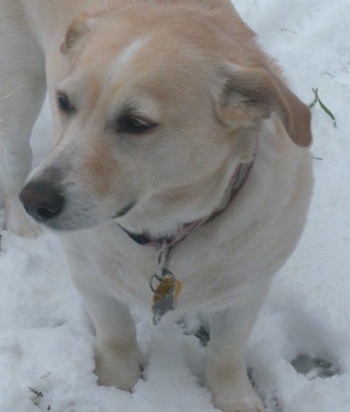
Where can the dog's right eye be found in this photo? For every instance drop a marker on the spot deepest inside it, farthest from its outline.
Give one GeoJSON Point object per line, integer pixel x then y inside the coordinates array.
{"type": "Point", "coordinates": [64, 103]}
{"type": "Point", "coordinates": [130, 124]}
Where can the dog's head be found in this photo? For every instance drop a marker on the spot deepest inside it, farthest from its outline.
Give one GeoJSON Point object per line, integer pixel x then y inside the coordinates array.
{"type": "Point", "coordinates": [158, 108]}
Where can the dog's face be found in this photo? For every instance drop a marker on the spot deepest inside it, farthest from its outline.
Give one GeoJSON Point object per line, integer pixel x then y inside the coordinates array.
{"type": "Point", "coordinates": [152, 123]}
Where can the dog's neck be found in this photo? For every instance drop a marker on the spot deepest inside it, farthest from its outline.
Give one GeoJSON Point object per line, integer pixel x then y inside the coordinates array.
{"type": "Point", "coordinates": [237, 181]}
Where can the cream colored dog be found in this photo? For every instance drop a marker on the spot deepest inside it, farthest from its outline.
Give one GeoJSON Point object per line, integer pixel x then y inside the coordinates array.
{"type": "Point", "coordinates": [178, 151]}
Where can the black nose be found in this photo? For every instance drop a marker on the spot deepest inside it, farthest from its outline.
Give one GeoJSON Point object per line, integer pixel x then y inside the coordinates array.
{"type": "Point", "coordinates": [42, 200]}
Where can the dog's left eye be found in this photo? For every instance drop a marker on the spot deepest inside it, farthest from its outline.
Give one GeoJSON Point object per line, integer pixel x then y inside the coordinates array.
{"type": "Point", "coordinates": [134, 125]}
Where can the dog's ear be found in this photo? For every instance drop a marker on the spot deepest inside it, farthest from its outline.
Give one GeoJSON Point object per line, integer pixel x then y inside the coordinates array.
{"type": "Point", "coordinates": [249, 95]}
{"type": "Point", "coordinates": [81, 26]}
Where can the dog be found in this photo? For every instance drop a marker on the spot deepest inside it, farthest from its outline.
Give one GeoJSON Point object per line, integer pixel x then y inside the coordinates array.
{"type": "Point", "coordinates": [180, 175]}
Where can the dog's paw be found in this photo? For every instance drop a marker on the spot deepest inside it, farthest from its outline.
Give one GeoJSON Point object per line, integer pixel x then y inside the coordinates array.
{"type": "Point", "coordinates": [247, 407]}
{"type": "Point", "coordinates": [229, 403]}
{"type": "Point", "coordinates": [118, 366]}
{"type": "Point", "coordinates": [234, 395]}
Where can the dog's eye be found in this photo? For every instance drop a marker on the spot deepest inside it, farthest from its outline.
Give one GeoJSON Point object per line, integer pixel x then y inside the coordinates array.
{"type": "Point", "coordinates": [64, 103]}
{"type": "Point", "coordinates": [134, 125]}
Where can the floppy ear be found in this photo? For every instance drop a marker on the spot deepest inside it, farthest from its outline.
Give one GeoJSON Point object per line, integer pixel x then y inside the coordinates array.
{"type": "Point", "coordinates": [252, 94]}
{"type": "Point", "coordinates": [81, 25]}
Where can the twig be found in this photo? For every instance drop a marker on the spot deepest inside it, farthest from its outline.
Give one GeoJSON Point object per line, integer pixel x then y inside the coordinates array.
{"type": "Point", "coordinates": [323, 106]}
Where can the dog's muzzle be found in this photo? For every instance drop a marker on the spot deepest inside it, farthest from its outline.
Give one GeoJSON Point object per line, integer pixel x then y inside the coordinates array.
{"type": "Point", "coordinates": [42, 200]}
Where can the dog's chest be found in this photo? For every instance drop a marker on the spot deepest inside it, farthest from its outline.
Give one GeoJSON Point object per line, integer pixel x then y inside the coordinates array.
{"type": "Point", "coordinates": [212, 265]}
{"type": "Point", "coordinates": [208, 279]}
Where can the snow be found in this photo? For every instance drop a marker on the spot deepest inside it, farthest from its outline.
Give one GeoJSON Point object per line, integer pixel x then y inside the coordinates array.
{"type": "Point", "coordinates": [46, 339]}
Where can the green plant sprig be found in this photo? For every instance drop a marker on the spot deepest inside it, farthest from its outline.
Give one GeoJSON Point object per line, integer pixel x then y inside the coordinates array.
{"type": "Point", "coordinates": [323, 106]}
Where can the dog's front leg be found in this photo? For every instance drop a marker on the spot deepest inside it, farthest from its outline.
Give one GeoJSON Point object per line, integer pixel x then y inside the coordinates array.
{"type": "Point", "coordinates": [226, 375]}
{"type": "Point", "coordinates": [117, 355]}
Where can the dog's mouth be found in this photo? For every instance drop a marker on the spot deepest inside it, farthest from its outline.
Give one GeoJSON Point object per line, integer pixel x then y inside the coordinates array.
{"type": "Point", "coordinates": [169, 237]}
{"type": "Point", "coordinates": [46, 203]}
{"type": "Point", "coordinates": [238, 179]}
{"type": "Point", "coordinates": [123, 211]}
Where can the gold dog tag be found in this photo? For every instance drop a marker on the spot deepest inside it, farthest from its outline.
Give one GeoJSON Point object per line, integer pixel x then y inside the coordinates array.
{"type": "Point", "coordinates": [168, 286]}
{"type": "Point", "coordinates": [165, 296]}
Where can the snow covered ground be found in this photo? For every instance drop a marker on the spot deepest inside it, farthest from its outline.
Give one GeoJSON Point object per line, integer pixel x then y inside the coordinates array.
{"type": "Point", "coordinates": [299, 353]}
